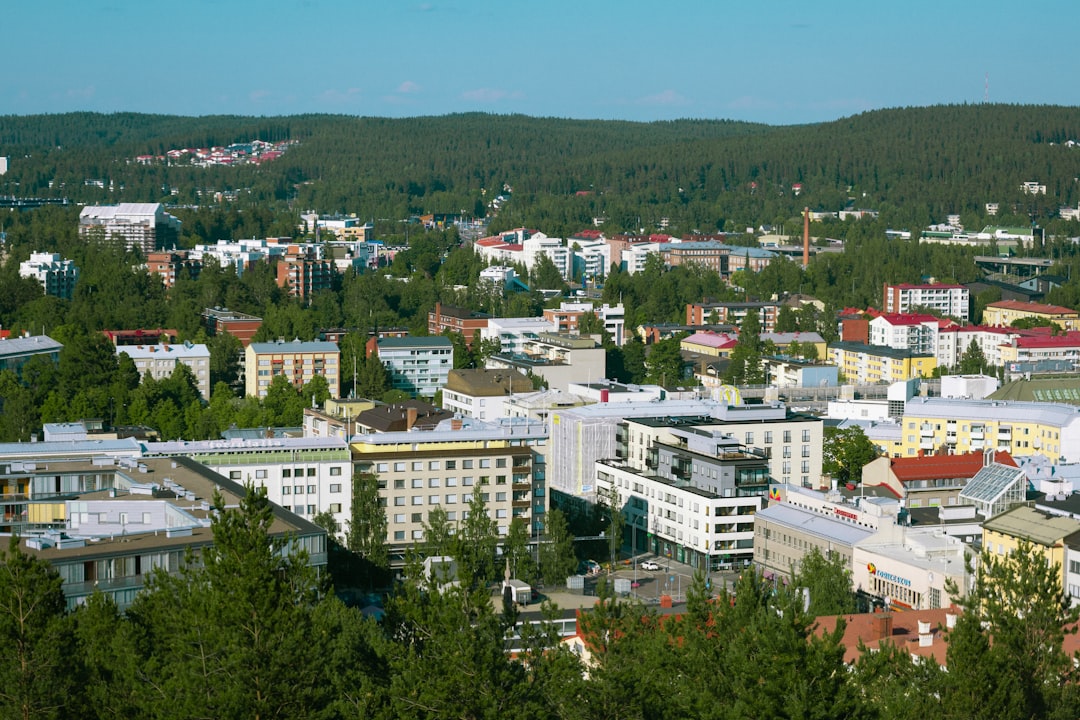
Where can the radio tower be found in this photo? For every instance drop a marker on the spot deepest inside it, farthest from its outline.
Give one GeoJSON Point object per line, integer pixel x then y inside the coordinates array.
{"type": "Point", "coordinates": [986, 90]}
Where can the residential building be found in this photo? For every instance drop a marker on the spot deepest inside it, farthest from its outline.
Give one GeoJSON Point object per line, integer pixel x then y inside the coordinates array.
{"type": "Point", "coordinates": [788, 372]}
{"type": "Point", "coordinates": [240, 325]}
{"type": "Point", "coordinates": [305, 475]}
{"type": "Point", "coordinates": [403, 417]}
{"type": "Point", "coordinates": [1041, 349]}
{"type": "Point", "coordinates": [916, 332]}
{"type": "Point", "coordinates": [142, 226]}
{"type": "Point", "coordinates": [869, 364]}
{"type": "Point", "coordinates": [1005, 312]}
{"type": "Point", "coordinates": [342, 226]}
{"type": "Point", "coordinates": [611, 391]}
{"type": "Point", "coordinates": [417, 365]}
{"type": "Point", "coordinates": [784, 341]}
{"type": "Point", "coordinates": [159, 362]}
{"type": "Point", "coordinates": [298, 361]}
{"type": "Point", "coordinates": [692, 500]}
{"type": "Point", "coordinates": [106, 525]}
{"type": "Point", "coordinates": [242, 254]}
{"type": "Point", "coordinates": [708, 254]}
{"type": "Point", "coordinates": [712, 344]}
{"type": "Point", "coordinates": [302, 273]}
{"type": "Point", "coordinates": [732, 313]}
{"type": "Point", "coordinates": [336, 419]}
{"type": "Point", "coordinates": [170, 265]}
{"type": "Point", "coordinates": [16, 351]}
{"type": "Point", "coordinates": [141, 336]}
{"type": "Point", "coordinates": [512, 333]}
{"type": "Point", "coordinates": [565, 318]}
{"type": "Point", "coordinates": [419, 471]}
{"type": "Point", "coordinates": [930, 480]}
{"type": "Point", "coordinates": [1043, 532]}
{"type": "Point", "coordinates": [481, 393]}
{"type": "Point", "coordinates": [539, 244]}
{"type": "Point", "coordinates": [557, 358]}
{"type": "Point", "coordinates": [953, 342]}
{"type": "Point", "coordinates": [464, 322]}
{"type": "Point", "coordinates": [1021, 428]}
{"type": "Point", "coordinates": [56, 275]}
{"type": "Point", "coordinates": [951, 300]}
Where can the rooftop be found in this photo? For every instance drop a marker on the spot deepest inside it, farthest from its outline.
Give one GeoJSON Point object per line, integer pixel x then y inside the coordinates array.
{"type": "Point", "coordinates": [1030, 524]}
{"type": "Point", "coordinates": [933, 467]}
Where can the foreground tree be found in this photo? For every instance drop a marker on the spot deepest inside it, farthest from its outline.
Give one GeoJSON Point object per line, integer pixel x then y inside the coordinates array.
{"type": "Point", "coordinates": [827, 581]}
{"type": "Point", "coordinates": [366, 535]}
{"type": "Point", "coordinates": [846, 451]}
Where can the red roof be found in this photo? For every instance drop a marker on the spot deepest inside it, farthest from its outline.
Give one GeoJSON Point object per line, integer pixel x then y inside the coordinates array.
{"type": "Point", "coordinates": [1032, 307]}
{"type": "Point", "coordinates": [934, 467]}
{"type": "Point", "coordinates": [909, 318]}
{"type": "Point", "coordinates": [1051, 341]}
{"type": "Point", "coordinates": [928, 286]}
{"type": "Point", "coordinates": [899, 628]}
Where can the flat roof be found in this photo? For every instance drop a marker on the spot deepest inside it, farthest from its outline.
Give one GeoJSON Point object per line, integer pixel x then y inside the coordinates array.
{"type": "Point", "coordinates": [295, 346]}
{"type": "Point", "coordinates": [814, 523]}
{"type": "Point", "coordinates": [32, 345]}
{"type": "Point", "coordinates": [1032, 525]}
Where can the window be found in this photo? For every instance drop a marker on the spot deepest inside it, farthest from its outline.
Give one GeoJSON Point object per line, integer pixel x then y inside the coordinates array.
{"type": "Point", "coordinates": [297, 489]}
{"type": "Point", "coordinates": [335, 507]}
{"type": "Point", "coordinates": [806, 451]}
{"type": "Point", "coordinates": [500, 462]}
{"type": "Point", "coordinates": [485, 462]}
{"type": "Point", "coordinates": [286, 490]}
{"type": "Point", "coordinates": [399, 534]}
{"type": "Point", "coordinates": [466, 464]}
{"type": "Point", "coordinates": [234, 474]}
{"type": "Point", "coordinates": [433, 482]}
{"type": "Point", "coordinates": [451, 498]}
{"type": "Point", "coordinates": [335, 487]}
{"type": "Point", "coordinates": [451, 482]}
{"type": "Point", "coordinates": [500, 513]}
{"type": "Point", "coordinates": [311, 472]}
{"type": "Point", "coordinates": [451, 464]}
{"type": "Point", "coordinates": [417, 534]}
{"type": "Point", "coordinates": [311, 489]}
{"type": "Point", "coordinates": [500, 497]}
{"type": "Point", "coordinates": [399, 484]}
{"type": "Point", "coordinates": [335, 471]}
{"type": "Point", "coordinates": [749, 438]}
{"type": "Point", "coordinates": [286, 472]}
{"type": "Point", "coordinates": [433, 465]}
{"type": "Point", "coordinates": [787, 436]}
{"type": "Point", "coordinates": [452, 515]}
{"type": "Point", "coordinates": [382, 467]}
{"type": "Point", "coordinates": [500, 479]}
{"type": "Point", "coordinates": [418, 482]}
{"type": "Point", "coordinates": [417, 466]}
{"type": "Point", "coordinates": [260, 474]}
{"type": "Point", "coordinates": [399, 518]}
{"type": "Point", "coordinates": [787, 451]}
{"type": "Point", "coordinates": [466, 498]}
{"type": "Point", "coordinates": [768, 437]}
{"type": "Point", "coordinates": [399, 501]}
{"type": "Point", "coordinates": [806, 436]}
{"type": "Point", "coordinates": [417, 499]}
{"type": "Point", "coordinates": [310, 509]}
{"type": "Point", "coordinates": [467, 481]}
{"type": "Point", "coordinates": [418, 517]}
{"type": "Point", "coordinates": [433, 499]}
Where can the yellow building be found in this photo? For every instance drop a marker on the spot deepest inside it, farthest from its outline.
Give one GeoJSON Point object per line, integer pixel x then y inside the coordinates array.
{"type": "Point", "coordinates": [297, 361]}
{"type": "Point", "coordinates": [869, 364]}
{"type": "Point", "coordinates": [1003, 533]}
{"type": "Point", "coordinates": [1021, 428]}
{"type": "Point", "coordinates": [1005, 312]}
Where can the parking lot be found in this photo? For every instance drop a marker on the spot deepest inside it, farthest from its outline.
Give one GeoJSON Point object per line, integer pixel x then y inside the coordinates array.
{"type": "Point", "coordinates": [670, 578]}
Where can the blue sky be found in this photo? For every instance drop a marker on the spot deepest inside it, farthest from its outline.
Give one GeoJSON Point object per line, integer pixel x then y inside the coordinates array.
{"type": "Point", "coordinates": [773, 61]}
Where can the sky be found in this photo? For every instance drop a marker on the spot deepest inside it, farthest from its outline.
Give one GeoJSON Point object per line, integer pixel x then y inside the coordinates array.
{"type": "Point", "coordinates": [773, 61]}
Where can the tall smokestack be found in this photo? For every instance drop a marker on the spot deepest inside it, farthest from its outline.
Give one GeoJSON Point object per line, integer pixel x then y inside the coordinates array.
{"type": "Point", "coordinates": [805, 237]}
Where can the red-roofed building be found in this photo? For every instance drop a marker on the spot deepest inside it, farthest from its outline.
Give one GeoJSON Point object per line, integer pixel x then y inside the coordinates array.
{"type": "Point", "coordinates": [918, 632]}
{"type": "Point", "coordinates": [455, 319]}
{"type": "Point", "coordinates": [1006, 312]}
{"type": "Point", "coordinates": [916, 332]}
{"type": "Point", "coordinates": [929, 480]}
{"type": "Point", "coordinates": [1040, 347]}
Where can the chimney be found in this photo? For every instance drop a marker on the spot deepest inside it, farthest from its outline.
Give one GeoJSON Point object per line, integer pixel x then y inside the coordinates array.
{"type": "Point", "coordinates": [806, 237]}
{"type": "Point", "coordinates": [882, 625]}
{"type": "Point", "coordinates": [950, 620]}
{"type": "Point", "coordinates": [410, 418]}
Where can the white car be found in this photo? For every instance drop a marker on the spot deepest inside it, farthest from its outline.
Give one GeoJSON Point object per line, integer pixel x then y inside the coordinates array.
{"type": "Point", "coordinates": [649, 565]}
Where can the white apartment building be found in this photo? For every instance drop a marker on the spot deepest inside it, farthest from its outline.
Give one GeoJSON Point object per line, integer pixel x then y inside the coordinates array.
{"type": "Point", "coordinates": [558, 359]}
{"type": "Point", "coordinates": [953, 342]}
{"type": "Point", "coordinates": [554, 248]}
{"type": "Point", "coordinates": [952, 300]}
{"type": "Point", "coordinates": [145, 226]}
{"type": "Point", "coordinates": [566, 317]}
{"type": "Point", "coordinates": [417, 365]}
{"type": "Point", "coordinates": [159, 361]}
{"type": "Point", "coordinates": [304, 475]}
{"type": "Point", "coordinates": [56, 275]}
{"type": "Point", "coordinates": [686, 493]}
{"type": "Point", "coordinates": [915, 332]}
{"type": "Point", "coordinates": [242, 254]}
{"type": "Point", "coordinates": [512, 333]}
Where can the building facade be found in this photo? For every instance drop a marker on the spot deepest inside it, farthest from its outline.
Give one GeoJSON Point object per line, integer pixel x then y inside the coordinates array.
{"type": "Point", "coordinates": [298, 361]}
{"type": "Point", "coordinates": [159, 361]}
{"type": "Point", "coordinates": [417, 365]}
{"type": "Point", "coordinates": [56, 275]}
{"type": "Point", "coordinates": [951, 300]}
{"type": "Point", "coordinates": [142, 226]}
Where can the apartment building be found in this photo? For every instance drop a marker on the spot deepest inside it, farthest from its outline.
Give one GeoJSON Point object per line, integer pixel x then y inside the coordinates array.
{"type": "Point", "coordinates": [240, 325]}
{"type": "Point", "coordinates": [307, 475]}
{"type": "Point", "coordinates": [302, 272]}
{"type": "Point", "coordinates": [557, 358]}
{"type": "Point", "coordinates": [56, 274]}
{"type": "Point", "coordinates": [951, 300]}
{"type": "Point", "coordinates": [298, 361]}
{"type": "Point", "coordinates": [1005, 312]}
{"type": "Point", "coordinates": [421, 470]}
{"type": "Point", "coordinates": [16, 351]}
{"type": "Point", "coordinates": [1043, 532]}
{"type": "Point", "coordinates": [1020, 428]}
{"type": "Point", "coordinates": [142, 226]}
{"type": "Point", "coordinates": [464, 322]}
{"type": "Point", "coordinates": [566, 317]}
{"type": "Point", "coordinates": [105, 525]}
{"type": "Point", "coordinates": [172, 265]}
{"type": "Point", "coordinates": [930, 480]}
{"type": "Point", "coordinates": [915, 332]}
{"type": "Point", "coordinates": [732, 313]}
{"type": "Point", "coordinates": [482, 393]}
{"type": "Point", "coordinates": [555, 249]}
{"type": "Point", "coordinates": [869, 364]}
{"type": "Point", "coordinates": [692, 499]}
{"type": "Point", "coordinates": [159, 361]}
{"type": "Point", "coordinates": [417, 365]}
{"type": "Point", "coordinates": [512, 333]}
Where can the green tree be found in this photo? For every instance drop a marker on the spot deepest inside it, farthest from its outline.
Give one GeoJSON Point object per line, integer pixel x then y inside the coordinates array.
{"type": "Point", "coordinates": [845, 452]}
{"type": "Point", "coordinates": [557, 557]}
{"type": "Point", "coordinates": [516, 553]}
{"type": "Point", "coordinates": [38, 672]}
{"type": "Point", "coordinates": [366, 535]}
{"type": "Point", "coordinates": [475, 543]}
{"type": "Point", "coordinates": [972, 362]}
{"type": "Point", "coordinates": [438, 533]}
{"type": "Point", "coordinates": [372, 380]}
{"type": "Point", "coordinates": [664, 363]}
{"type": "Point", "coordinates": [827, 581]}
{"type": "Point", "coordinates": [745, 366]}
{"type": "Point", "coordinates": [225, 353]}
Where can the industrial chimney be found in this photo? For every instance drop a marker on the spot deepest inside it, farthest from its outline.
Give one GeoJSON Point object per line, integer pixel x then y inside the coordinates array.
{"type": "Point", "coordinates": [805, 236]}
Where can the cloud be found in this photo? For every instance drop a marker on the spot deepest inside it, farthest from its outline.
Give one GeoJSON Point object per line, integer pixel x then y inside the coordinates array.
{"type": "Point", "coordinates": [490, 95]}
{"type": "Point", "coordinates": [667, 97]}
{"type": "Point", "coordinates": [408, 87]}
{"type": "Point", "coordinates": [334, 95]}
{"type": "Point", "coordinates": [81, 93]}
{"type": "Point", "coordinates": [257, 95]}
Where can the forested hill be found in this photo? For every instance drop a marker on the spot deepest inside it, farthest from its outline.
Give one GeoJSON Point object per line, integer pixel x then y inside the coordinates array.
{"type": "Point", "coordinates": [915, 165]}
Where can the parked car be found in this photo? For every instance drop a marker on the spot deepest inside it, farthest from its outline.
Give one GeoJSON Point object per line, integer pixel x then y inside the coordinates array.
{"type": "Point", "coordinates": [649, 565]}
